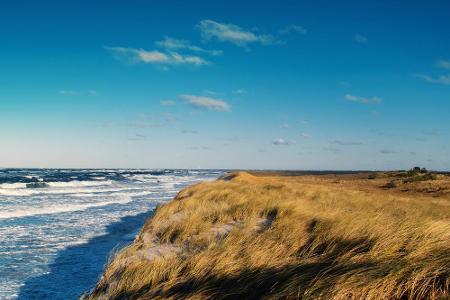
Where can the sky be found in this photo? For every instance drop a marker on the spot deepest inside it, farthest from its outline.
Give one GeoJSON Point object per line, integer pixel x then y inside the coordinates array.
{"type": "Point", "coordinates": [225, 84]}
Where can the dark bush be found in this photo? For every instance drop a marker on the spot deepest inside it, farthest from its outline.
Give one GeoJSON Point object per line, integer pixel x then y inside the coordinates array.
{"type": "Point", "coordinates": [372, 176]}
{"type": "Point", "coordinates": [390, 185]}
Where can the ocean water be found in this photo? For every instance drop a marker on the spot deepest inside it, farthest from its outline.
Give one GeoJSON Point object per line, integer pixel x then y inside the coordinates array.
{"type": "Point", "coordinates": [58, 227]}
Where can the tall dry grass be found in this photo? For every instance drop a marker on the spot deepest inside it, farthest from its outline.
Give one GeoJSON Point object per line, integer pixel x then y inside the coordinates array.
{"type": "Point", "coordinates": [316, 241]}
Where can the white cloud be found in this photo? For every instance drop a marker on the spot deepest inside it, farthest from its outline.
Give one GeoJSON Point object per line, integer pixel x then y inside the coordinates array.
{"type": "Point", "coordinates": [208, 103]}
{"type": "Point", "coordinates": [239, 92]}
{"type": "Point", "coordinates": [284, 126]}
{"type": "Point", "coordinates": [443, 79]}
{"type": "Point", "coordinates": [283, 142]}
{"type": "Point", "coordinates": [223, 32]}
{"type": "Point", "coordinates": [305, 135]}
{"type": "Point", "coordinates": [443, 64]}
{"type": "Point", "coordinates": [167, 102]}
{"type": "Point", "coordinates": [156, 57]}
{"type": "Point", "coordinates": [176, 44]}
{"type": "Point", "coordinates": [209, 92]}
{"type": "Point", "coordinates": [363, 100]}
{"type": "Point", "coordinates": [293, 29]}
{"type": "Point", "coordinates": [361, 39]}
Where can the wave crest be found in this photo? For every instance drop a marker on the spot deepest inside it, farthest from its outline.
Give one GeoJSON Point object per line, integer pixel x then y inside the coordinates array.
{"type": "Point", "coordinates": [59, 208]}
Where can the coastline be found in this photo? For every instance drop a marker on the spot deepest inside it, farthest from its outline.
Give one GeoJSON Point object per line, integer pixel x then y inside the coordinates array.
{"type": "Point", "coordinates": [263, 236]}
{"type": "Point", "coordinates": [55, 240]}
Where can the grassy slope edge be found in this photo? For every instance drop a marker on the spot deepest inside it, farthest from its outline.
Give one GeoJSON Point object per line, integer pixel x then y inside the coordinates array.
{"type": "Point", "coordinates": [272, 237]}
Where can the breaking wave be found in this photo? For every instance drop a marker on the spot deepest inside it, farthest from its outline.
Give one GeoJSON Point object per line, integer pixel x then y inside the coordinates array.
{"type": "Point", "coordinates": [59, 208]}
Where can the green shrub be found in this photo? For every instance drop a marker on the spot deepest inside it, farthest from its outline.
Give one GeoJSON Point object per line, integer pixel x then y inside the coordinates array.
{"type": "Point", "coordinates": [417, 177]}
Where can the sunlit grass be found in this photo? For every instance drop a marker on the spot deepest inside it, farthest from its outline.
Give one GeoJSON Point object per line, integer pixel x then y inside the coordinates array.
{"type": "Point", "coordinates": [317, 241]}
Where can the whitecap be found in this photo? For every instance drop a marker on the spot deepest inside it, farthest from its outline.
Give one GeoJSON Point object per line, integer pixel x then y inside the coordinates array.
{"type": "Point", "coordinates": [77, 190]}
{"type": "Point", "coordinates": [77, 183]}
{"type": "Point", "coordinates": [17, 185]}
{"type": "Point", "coordinates": [58, 208]}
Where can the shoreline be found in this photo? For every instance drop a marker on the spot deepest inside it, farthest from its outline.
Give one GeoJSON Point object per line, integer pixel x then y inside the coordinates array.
{"type": "Point", "coordinates": [56, 239]}
{"type": "Point", "coordinates": [185, 249]}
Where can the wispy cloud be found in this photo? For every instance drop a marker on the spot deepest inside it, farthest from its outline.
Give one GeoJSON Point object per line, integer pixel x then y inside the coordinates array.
{"type": "Point", "coordinates": [283, 142]}
{"type": "Point", "coordinates": [346, 143]}
{"type": "Point", "coordinates": [176, 44]}
{"type": "Point", "coordinates": [167, 102]}
{"type": "Point", "coordinates": [185, 131]}
{"type": "Point", "coordinates": [305, 135]}
{"type": "Point", "coordinates": [434, 132]}
{"type": "Point", "coordinates": [198, 148]}
{"type": "Point", "coordinates": [386, 151]}
{"type": "Point", "coordinates": [293, 29]}
{"type": "Point", "coordinates": [223, 32]}
{"type": "Point", "coordinates": [77, 93]}
{"type": "Point", "coordinates": [156, 57]}
{"type": "Point", "coordinates": [443, 79]}
{"type": "Point", "coordinates": [331, 149]}
{"type": "Point", "coordinates": [138, 137]}
{"type": "Point", "coordinates": [153, 121]}
{"type": "Point", "coordinates": [207, 103]}
{"type": "Point", "coordinates": [284, 126]}
{"type": "Point", "coordinates": [239, 91]}
{"type": "Point", "coordinates": [363, 100]}
{"type": "Point", "coordinates": [68, 93]}
{"type": "Point", "coordinates": [361, 39]}
{"type": "Point", "coordinates": [443, 64]}
{"type": "Point", "coordinates": [209, 92]}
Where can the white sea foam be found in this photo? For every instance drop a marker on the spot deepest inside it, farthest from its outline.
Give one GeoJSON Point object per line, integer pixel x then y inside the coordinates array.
{"type": "Point", "coordinates": [58, 208]}
{"type": "Point", "coordinates": [114, 193]}
{"type": "Point", "coordinates": [77, 190]}
{"type": "Point", "coordinates": [17, 185]}
{"type": "Point", "coordinates": [77, 183]}
{"type": "Point", "coordinates": [20, 188]}
{"type": "Point", "coordinates": [72, 214]}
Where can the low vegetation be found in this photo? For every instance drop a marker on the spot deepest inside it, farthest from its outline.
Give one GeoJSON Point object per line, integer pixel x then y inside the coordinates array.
{"type": "Point", "coordinates": [289, 237]}
{"type": "Point", "coordinates": [390, 185]}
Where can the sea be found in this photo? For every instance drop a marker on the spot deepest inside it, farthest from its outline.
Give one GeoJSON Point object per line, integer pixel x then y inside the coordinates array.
{"type": "Point", "coordinates": [59, 227]}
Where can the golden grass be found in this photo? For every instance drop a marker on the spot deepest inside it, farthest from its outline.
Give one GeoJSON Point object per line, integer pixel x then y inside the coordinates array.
{"type": "Point", "coordinates": [317, 241]}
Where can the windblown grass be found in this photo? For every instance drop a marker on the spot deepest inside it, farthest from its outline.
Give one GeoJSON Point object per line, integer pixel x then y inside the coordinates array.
{"type": "Point", "coordinates": [286, 238]}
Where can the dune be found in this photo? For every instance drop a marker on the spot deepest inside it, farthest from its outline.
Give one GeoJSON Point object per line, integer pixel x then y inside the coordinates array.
{"type": "Point", "coordinates": [267, 236]}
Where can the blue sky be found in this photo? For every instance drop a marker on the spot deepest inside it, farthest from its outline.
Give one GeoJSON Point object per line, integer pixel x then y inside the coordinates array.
{"type": "Point", "coordinates": [191, 84]}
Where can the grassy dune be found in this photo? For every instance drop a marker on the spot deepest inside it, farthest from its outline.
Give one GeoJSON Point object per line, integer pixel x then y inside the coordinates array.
{"type": "Point", "coordinates": [294, 237]}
